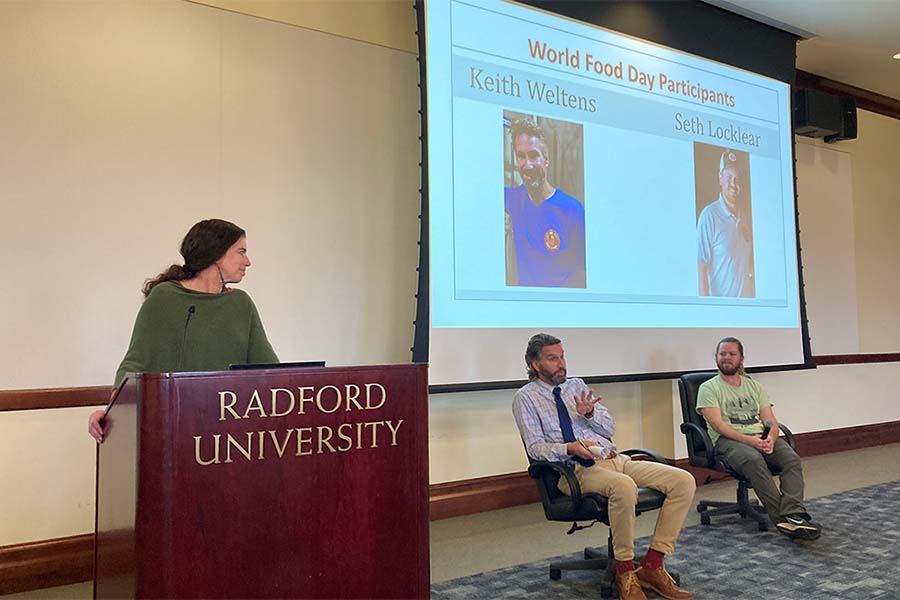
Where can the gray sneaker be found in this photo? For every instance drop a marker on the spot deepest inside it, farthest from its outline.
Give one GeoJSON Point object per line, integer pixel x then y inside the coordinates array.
{"type": "Point", "coordinates": [796, 526]}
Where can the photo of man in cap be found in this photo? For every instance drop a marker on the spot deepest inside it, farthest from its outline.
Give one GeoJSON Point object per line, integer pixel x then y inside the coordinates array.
{"type": "Point", "coordinates": [724, 232]}
{"type": "Point", "coordinates": [544, 225]}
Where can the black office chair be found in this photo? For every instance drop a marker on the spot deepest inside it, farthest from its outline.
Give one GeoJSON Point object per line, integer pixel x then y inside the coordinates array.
{"type": "Point", "coordinates": [701, 454]}
{"type": "Point", "coordinates": [588, 507]}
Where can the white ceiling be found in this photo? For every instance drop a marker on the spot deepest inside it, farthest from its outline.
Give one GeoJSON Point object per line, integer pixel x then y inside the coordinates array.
{"type": "Point", "coordinates": [851, 41]}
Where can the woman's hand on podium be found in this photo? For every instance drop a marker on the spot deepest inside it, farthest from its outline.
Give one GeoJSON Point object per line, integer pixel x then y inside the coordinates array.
{"type": "Point", "coordinates": [98, 427]}
{"type": "Point", "coordinates": [94, 426]}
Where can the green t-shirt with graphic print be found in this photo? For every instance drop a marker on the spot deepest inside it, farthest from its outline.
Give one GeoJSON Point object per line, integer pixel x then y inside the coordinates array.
{"type": "Point", "coordinates": [740, 405]}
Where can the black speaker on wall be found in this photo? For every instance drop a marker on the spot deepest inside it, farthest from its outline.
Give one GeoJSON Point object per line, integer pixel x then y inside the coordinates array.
{"type": "Point", "coordinates": [848, 121]}
{"type": "Point", "coordinates": [817, 114]}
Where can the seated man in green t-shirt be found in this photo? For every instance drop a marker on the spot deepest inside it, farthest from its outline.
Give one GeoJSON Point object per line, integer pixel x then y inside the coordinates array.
{"type": "Point", "coordinates": [735, 408]}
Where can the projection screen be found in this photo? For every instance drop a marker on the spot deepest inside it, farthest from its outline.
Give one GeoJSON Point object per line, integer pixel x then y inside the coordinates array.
{"type": "Point", "coordinates": [634, 200]}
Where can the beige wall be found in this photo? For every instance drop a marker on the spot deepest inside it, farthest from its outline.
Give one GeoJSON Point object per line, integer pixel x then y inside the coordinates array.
{"type": "Point", "coordinates": [876, 212]}
{"type": "Point", "coordinates": [96, 91]}
{"type": "Point", "coordinates": [874, 219]}
{"type": "Point", "coordinates": [389, 23]}
{"type": "Point", "coordinates": [825, 198]}
{"type": "Point", "coordinates": [48, 473]}
{"type": "Point", "coordinates": [128, 121]}
{"type": "Point", "coordinates": [133, 120]}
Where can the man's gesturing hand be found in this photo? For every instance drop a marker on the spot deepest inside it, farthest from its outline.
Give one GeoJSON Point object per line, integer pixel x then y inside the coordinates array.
{"type": "Point", "coordinates": [584, 403]}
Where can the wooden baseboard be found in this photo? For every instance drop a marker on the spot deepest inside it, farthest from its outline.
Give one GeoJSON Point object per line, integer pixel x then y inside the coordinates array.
{"type": "Point", "coordinates": [47, 563]}
{"type": "Point", "coordinates": [64, 561]}
{"type": "Point", "coordinates": [471, 496]}
{"type": "Point", "coordinates": [847, 438]}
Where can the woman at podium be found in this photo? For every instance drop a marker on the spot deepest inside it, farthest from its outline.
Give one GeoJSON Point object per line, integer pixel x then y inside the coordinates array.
{"type": "Point", "coordinates": [190, 319]}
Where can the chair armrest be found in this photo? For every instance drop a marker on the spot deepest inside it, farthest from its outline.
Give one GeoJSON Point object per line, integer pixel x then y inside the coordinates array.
{"type": "Point", "coordinates": [692, 429]}
{"type": "Point", "coordinates": [538, 467]}
{"type": "Point", "coordinates": [654, 456]}
{"type": "Point", "coordinates": [788, 435]}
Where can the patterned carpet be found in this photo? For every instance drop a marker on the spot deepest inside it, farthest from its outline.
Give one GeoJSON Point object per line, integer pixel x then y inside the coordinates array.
{"type": "Point", "coordinates": [857, 557]}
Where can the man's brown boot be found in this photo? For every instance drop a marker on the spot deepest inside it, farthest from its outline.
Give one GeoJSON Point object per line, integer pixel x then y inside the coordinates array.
{"type": "Point", "coordinates": [629, 586]}
{"type": "Point", "coordinates": [662, 583]}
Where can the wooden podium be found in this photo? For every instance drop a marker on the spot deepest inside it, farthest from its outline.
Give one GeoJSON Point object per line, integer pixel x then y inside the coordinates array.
{"type": "Point", "coordinates": [283, 483]}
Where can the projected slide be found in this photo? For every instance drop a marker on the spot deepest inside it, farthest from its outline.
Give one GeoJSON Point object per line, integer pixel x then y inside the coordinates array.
{"type": "Point", "coordinates": [580, 178]}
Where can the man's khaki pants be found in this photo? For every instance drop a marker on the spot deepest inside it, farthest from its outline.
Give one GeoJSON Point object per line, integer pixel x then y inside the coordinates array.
{"type": "Point", "coordinates": [618, 478]}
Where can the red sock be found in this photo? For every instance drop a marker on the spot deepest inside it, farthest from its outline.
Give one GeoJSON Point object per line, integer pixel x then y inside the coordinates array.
{"type": "Point", "coordinates": [623, 566]}
{"type": "Point", "coordinates": [653, 559]}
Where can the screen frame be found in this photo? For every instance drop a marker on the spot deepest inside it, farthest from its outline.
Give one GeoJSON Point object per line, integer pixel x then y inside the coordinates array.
{"type": "Point", "coordinates": [639, 29]}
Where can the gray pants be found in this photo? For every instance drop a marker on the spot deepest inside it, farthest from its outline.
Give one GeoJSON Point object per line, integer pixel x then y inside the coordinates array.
{"type": "Point", "coordinates": [759, 467]}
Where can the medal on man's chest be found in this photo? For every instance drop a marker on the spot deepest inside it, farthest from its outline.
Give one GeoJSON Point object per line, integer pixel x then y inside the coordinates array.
{"type": "Point", "coordinates": [551, 240]}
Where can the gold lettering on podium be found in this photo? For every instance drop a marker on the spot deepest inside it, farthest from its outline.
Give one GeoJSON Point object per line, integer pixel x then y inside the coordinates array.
{"type": "Point", "coordinates": [337, 399]}
{"type": "Point", "coordinates": [327, 399]}
{"type": "Point", "coordinates": [352, 391]}
{"type": "Point", "coordinates": [345, 437]}
{"type": "Point", "coordinates": [359, 427]}
{"type": "Point", "coordinates": [223, 407]}
{"type": "Point", "coordinates": [233, 442]}
{"type": "Point", "coordinates": [380, 387]}
{"type": "Point", "coordinates": [275, 412]}
{"type": "Point", "coordinates": [305, 401]}
{"type": "Point", "coordinates": [323, 438]}
{"type": "Point", "coordinates": [304, 398]}
{"type": "Point", "coordinates": [280, 448]}
{"type": "Point", "coordinates": [374, 426]}
{"type": "Point", "coordinates": [255, 404]}
{"type": "Point", "coordinates": [215, 459]}
{"type": "Point", "coordinates": [304, 440]}
{"type": "Point", "coordinates": [393, 431]}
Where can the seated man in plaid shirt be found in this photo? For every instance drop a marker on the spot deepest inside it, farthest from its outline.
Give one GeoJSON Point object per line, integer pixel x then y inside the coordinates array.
{"type": "Point", "coordinates": [560, 420]}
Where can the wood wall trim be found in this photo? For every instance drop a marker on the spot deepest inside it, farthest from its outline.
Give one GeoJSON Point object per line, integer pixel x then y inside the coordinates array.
{"type": "Point", "coordinates": [47, 563]}
{"type": "Point", "coordinates": [871, 101]}
{"type": "Point", "coordinates": [470, 496]}
{"type": "Point", "coordinates": [64, 561]}
{"type": "Point", "coordinates": [812, 443]}
{"type": "Point", "coordinates": [53, 398]}
{"type": "Point", "coordinates": [856, 359]}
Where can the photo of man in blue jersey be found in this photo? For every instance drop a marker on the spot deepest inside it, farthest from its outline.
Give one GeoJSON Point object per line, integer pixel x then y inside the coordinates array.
{"type": "Point", "coordinates": [544, 225]}
{"type": "Point", "coordinates": [724, 227]}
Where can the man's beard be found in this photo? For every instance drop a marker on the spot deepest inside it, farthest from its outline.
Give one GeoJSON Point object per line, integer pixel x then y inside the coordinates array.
{"type": "Point", "coordinates": [534, 178]}
{"type": "Point", "coordinates": [556, 378]}
{"type": "Point", "coordinates": [730, 370]}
